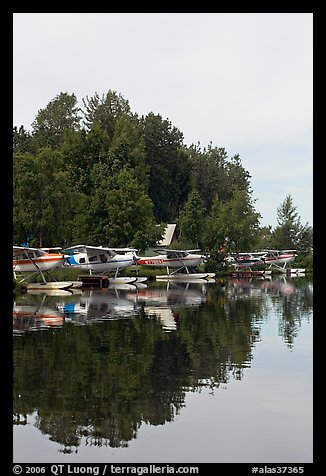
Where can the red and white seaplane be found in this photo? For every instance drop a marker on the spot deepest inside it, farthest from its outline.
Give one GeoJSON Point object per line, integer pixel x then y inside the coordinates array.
{"type": "Point", "coordinates": [31, 262]}
{"type": "Point", "coordinates": [280, 258]}
{"type": "Point", "coordinates": [183, 261]}
{"type": "Point", "coordinates": [270, 258]}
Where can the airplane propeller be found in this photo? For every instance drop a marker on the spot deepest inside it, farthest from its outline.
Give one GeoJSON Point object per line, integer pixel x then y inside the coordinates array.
{"type": "Point", "coordinates": [67, 262]}
{"type": "Point", "coordinates": [67, 257]}
{"type": "Point", "coordinates": [136, 258]}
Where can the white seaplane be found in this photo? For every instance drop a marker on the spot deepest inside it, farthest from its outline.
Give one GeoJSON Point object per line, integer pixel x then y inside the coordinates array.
{"type": "Point", "coordinates": [279, 257]}
{"type": "Point", "coordinates": [31, 262]}
{"type": "Point", "coordinates": [183, 261]}
{"type": "Point", "coordinates": [245, 260]}
{"type": "Point", "coordinates": [100, 260]}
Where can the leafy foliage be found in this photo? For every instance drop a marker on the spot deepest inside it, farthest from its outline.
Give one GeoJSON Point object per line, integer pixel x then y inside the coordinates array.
{"type": "Point", "coordinates": [42, 197]}
{"type": "Point", "coordinates": [191, 219]}
{"type": "Point", "coordinates": [169, 168]}
{"type": "Point", "coordinates": [233, 223]}
{"type": "Point", "coordinates": [105, 111]}
{"type": "Point", "coordinates": [52, 123]}
{"type": "Point", "coordinates": [290, 233]}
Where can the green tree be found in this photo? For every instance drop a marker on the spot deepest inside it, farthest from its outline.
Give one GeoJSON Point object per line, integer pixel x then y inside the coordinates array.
{"type": "Point", "coordinates": [42, 198]}
{"type": "Point", "coordinates": [52, 123]}
{"type": "Point", "coordinates": [305, 239]}
{"type": "Point", "coordinates": [131, 214]}
{"type": "Point", "coordinates": [169, 167]}
{"type": "Point", "coordinates": [118, 213]}
{"type": "Point", "coordinates": [127, 150]}
{"type": "Point", "coordinates": [237, 177]}
{"type": "Point", "coordinates": [214, 175]}
{"type": "Point", "coordinates": [23, 141]}
{"type": "Point", "coordinates": [264, 238]}
{"type": "Point", "coordinates": [289, 233]}
{"type": "Point", "coordinates": [191, 219]}
{"type": "Point", "coordinates": [208, 173]}
{"type": "Point", "coordinates": [233, 223]}
{"type": "Point", "coordinates": [82, 150]}
{"type": "Point", "coordinates": [105, 111]}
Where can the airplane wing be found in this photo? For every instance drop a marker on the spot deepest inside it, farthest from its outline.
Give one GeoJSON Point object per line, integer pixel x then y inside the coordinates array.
{"type": "Point", "coordinates": [171, 254]}
{"type": "Point", "coordinates": [90, 250]}
{"type": "Point", "coordinates": [123, 250]}
{"type": "Point", "coordinates": [56, 248]}
{"type": "Point", "coordinates": [20, 249]}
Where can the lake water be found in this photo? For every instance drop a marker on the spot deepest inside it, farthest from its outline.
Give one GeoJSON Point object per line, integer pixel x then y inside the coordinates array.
{"type": "Point", "coordinates": [176, 373]}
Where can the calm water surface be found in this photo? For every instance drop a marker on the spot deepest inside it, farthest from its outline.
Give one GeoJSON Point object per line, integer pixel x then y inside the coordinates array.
{"type": "Point", "coordinates": [179, 373]}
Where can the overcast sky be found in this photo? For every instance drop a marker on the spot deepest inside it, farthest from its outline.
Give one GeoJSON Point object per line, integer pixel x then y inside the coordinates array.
{"type": "Point", "coordinates": [242, 81]}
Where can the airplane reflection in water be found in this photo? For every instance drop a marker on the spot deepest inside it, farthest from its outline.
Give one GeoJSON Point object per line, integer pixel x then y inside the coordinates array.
{"type": "Point", "coordinates": [127, 301]}
{"type": "Point", "coordinates": [117, 302]}
{"type": "Point", "coordinates": [35, 318]}
{"type": "Point", "coordinates": [99, 305]}
{"type": "Point", "coordinates": [163, 304]}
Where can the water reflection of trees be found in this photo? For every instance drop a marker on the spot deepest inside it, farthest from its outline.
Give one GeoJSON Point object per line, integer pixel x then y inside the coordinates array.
{"type": "Point", "coordinates": [101, 382]}
{"type": "Point", "coordinates": [291, 299]}
{"type": "Point", "coordinates": [293, 309]}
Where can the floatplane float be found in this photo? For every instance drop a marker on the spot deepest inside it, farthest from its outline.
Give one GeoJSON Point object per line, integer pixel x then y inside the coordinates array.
{"type": "Point", "coordinates": [100, 261]}
{"type": "Point", "coordinates": [182, 261]}
{"type": "Point", "coordinates": [31, 262]}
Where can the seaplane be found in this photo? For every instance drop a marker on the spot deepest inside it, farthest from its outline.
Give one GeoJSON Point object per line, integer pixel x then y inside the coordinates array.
{"type": "Point", "coordinates": [31, 262]}
{"type": "Point", "coordinates": [280, 259]}
{"type": "Point", "coordinates": [100, 260]}
{"type": "Point", "coordinates": [183, 263]}
{"type": "Point", "coordinates": [245, 260]}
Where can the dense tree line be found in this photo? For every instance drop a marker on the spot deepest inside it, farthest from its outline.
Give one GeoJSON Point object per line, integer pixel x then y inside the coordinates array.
{"type": "Point", "coordinates": [102, 175]}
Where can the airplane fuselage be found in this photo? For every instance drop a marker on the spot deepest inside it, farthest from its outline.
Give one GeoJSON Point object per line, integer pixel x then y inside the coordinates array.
{"type": "Point", "coordinates": [280, 259]}
{"type": "Point", "coordinates": [162, 260]}
{"type": "Point", "coordinates": [247, 263]}
{"type": "Point", "coordinates": [101, 263]}
{"type": "Point", "coordinates": [32, 263]}
{"type": "Point", "coordinates": [244, 260]}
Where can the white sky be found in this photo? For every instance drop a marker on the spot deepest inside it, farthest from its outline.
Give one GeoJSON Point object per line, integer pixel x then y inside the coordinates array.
{"type": "Point", "coordinates": [242, 81]}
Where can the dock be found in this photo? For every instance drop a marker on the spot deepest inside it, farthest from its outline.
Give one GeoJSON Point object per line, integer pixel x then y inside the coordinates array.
{"type": "Point", "coordinates": [94, 281]}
